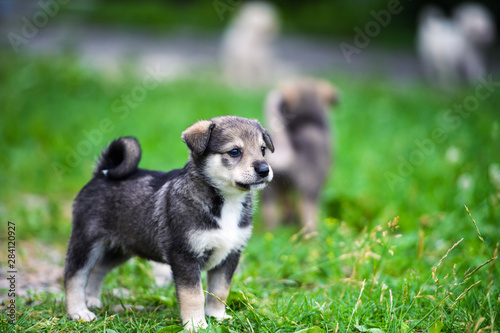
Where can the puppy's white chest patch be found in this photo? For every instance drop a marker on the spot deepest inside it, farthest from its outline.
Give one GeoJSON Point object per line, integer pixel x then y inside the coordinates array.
{"type": "Point", "coordinates": [227, 238]}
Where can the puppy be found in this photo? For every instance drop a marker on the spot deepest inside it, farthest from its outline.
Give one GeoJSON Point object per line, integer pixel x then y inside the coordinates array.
{"type": "Point", "coordinates": [453, 49]}
{"type": "Point", "coordinates": [296, 115]}
{"type": "Point", "coordinates": [247, 45]}
{"type": "Point", "coordinates": [196, 218]}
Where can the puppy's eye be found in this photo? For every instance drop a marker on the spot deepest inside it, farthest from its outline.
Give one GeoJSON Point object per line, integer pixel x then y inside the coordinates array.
{"type": "Point", "coordinates": [234, 153]}
{"type": "Point", "coordinates": [263, 150]}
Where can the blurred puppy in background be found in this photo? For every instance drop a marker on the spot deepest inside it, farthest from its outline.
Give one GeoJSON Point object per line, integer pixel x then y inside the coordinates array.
{"type": "Point", "coordinates": [247, 45]}
{"type": "Point", "coordinates": [297, 117]}
{"type": "Point", "coordinates": [453, 50]}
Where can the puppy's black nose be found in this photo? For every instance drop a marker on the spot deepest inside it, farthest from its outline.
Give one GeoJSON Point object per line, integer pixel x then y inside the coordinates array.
{"type": "Point", "coordinates": [262, 170]}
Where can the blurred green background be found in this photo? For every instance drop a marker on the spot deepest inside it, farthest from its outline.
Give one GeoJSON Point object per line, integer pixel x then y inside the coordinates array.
{"type": "Point", "coordinates": [318, 17]}
{"type": "Point", "coordinates": [59, 112]}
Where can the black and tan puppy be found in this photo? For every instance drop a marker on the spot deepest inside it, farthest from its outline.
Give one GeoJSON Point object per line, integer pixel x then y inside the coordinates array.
{"type": "Point", "coordinates": [196, 218]}
{"type": "Point", "coordinates": [296, 114]}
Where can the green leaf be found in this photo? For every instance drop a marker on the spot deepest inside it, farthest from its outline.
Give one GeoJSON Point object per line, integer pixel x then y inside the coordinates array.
{"type": "Point", "coordinates": [436, 327]}
{"type": "Point", "coordinates": [404, 328]}
{"type": "Point", "coordinates": [111, 331]}
{"type": "Point", "coordinates": [171, 329]}
{"type": "Point", "coordinates": [369, 330]}
{"type": "Point", "coordinates": [314, 329]}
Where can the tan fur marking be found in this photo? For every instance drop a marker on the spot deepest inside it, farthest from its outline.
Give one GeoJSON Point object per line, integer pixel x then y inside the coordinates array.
{"type": "Point", "coordinates": [293, 89]}
{"type": "Point", "coordinates": [309, 215]}
{"type": "Point", "coordinates": [191, 302]}
{"type": "Point", "coordinates": [197, 135]}
{"type": "Point", "coordinates": [327, 92]}
{"type": "Point", "coordinates": [290, 92]}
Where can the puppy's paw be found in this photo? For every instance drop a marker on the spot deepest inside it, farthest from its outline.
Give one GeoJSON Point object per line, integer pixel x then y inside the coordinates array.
{"type": "Point", "coordinates": [218, 313]}
{"type": "Point", "coordinates": [84, 315]}
{"type": "Point", "coordinates": [222, 317]}
{"type": "Point", "coordinates": [94, 302]}
{"type": "Point", "coordinates": [194, 325]}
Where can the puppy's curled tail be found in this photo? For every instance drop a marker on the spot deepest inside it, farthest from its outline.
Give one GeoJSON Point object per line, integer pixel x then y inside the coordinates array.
{"type": "Point", "coordinates": [119, 159]}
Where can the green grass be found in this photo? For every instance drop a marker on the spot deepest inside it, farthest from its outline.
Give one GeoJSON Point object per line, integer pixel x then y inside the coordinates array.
{"type": "Point", "coordinates": [365, 270]}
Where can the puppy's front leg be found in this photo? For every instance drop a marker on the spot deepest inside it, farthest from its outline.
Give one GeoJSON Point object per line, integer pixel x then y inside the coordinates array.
{"type": "Point", "coordinates": [187, 277]}
{"type": "Point", "coordinates": [191, 302]}
{"type": "Point", "coordinates": [219, 281]}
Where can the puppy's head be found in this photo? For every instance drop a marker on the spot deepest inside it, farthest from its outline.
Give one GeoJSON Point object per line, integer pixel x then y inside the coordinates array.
{"type": "Point", "coordinates": [231, 152]}
{"type": "Point", "coordinates": [300, 100]}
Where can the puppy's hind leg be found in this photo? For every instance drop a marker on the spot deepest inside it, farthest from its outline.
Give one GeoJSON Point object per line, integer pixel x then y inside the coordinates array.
{"type": "Point", "coordinates": [309, 214]}
{"type": "Point", "coordinates": [270, 207]}
{"type": "Point", "coordinates": [110, 259]}
{"type": "Point", "coordinates": [162, 273]}
{"type": "Point", "coordinates": [81, 258]}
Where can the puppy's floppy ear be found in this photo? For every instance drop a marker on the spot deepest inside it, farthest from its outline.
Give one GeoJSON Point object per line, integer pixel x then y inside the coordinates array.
{"type": "Point", "coordinates": [197, 136]}
{"type": "Point", "coordinates": [327, 92]}
{"type": "Point", "coordinates": [267, 139]}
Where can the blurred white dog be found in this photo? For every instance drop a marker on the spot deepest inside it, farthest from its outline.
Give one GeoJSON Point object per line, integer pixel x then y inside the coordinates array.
{"type": "Point", "coordinates": [247, 55]}
{"type": "Point", "coordinates": [452, 50]}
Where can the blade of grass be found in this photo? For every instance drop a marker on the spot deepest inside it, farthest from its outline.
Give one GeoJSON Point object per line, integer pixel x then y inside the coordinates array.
{"type": "Point", "coordinates": [473, 221]}
{"type": "Point", "coordinates": [356, 305]}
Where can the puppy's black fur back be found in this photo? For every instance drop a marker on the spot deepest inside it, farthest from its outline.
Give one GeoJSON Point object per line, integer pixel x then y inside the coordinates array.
{"type": "Point", "coordinates": [119, 159]}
